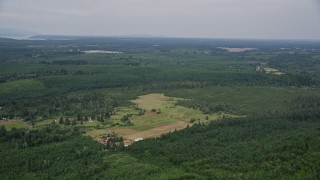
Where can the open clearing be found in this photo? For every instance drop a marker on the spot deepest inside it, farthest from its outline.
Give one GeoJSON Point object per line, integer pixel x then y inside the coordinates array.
{"type": "Point", "coordinates": [168, 117]}
{"type": "Point", "coordinates": [269, 70]}
{"type": "Point", "coordinates": [237, 50]}
{"type": "Point", "coordinates": [101, 52]}
{"type": "Point", "coordinates": [14, 124]}
{"type": "Point", "coordinates": [158, 131]}
{"type": "Point", "coordinates": [273, 71]}
{"type": "Point", "coordinates": [154, 101]}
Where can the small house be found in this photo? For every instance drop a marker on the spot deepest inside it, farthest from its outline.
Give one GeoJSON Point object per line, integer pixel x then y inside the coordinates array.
{"type": "Point", "coordinates": [138, 139]}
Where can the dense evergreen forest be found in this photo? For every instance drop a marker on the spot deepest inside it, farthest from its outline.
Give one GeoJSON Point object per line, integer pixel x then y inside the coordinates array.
{"type": "Point", "coordinates": [268, 99]}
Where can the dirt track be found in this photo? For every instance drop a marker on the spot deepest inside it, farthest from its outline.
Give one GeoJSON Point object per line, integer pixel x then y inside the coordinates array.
{"type": "Point", "coordinates": [154, 132]}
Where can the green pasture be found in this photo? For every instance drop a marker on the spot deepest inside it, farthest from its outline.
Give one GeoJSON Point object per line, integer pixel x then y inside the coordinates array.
{"type": "Point", "coordinates": [14, 124]}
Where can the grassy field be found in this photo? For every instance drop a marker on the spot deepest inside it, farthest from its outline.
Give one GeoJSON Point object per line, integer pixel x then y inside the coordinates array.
{"type": "Point", "coordinates": [161, 116]}
{"type": "Point", "coordinates": [14, 124]}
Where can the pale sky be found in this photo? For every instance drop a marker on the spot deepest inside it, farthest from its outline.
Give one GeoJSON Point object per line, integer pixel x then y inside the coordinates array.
{"type": "Point", "coordinates": [267, 19]}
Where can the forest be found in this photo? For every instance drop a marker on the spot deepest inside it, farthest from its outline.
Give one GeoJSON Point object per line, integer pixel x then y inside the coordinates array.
{"type": "Point", "coordinates": [266, 104]}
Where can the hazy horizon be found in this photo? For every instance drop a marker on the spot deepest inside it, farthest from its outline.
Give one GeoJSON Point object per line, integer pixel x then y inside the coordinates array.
{"type": "Point", "coordinates": [248, 19]}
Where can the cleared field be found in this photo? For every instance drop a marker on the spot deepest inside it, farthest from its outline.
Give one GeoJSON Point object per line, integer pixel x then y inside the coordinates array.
{"type": "Point", "coordinates": [14, 124]}
{"type": "Point", "coordinates": [158, 131]}
{"type": "Point", "coordinates": [101, 52]}
{"type": "Point", "coordinates": [161, 116]}
{"type": "Point", "coordinates": [237, 50]}
{"type": "Point", "coordinates": [273, 71]}
{"type": "Point", "coordinates": [154, 101]}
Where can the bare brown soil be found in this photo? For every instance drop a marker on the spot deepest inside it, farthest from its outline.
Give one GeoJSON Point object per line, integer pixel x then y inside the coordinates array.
{"type": "Point", "coordinates": [158, 131]}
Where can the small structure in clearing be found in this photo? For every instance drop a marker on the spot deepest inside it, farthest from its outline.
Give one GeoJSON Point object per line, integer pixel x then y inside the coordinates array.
{"type": "Point", "coordinates": [138, 139]}
{"type": "Point", "coordinates": [110, 138]}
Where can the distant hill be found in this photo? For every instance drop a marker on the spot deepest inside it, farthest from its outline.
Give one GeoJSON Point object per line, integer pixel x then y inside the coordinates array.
{"type": "Point", "coordinates": [76, 37]}
{"type": "Point", "coordinates": [16, 33]}
{"type": "Point", "coordinates": [58, 37]}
